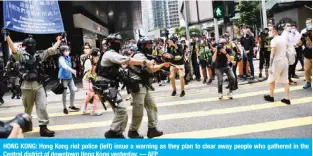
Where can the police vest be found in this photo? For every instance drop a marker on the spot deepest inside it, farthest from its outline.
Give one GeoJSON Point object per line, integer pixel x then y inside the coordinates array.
{"type": "Point", "coordinates": [31, 68]}
{"type": "Point", "coordinates": [146, 77]}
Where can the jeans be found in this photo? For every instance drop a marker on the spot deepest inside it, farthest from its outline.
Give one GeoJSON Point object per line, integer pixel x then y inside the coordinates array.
{"type": "Point", "coordinates": [68, 83]}
{"type": "Point", "coordinates": [231, 77]}
{"type": "Point", "coordinates": [195, 66]}
{"type": "Point", "coordinates": [249, 58]}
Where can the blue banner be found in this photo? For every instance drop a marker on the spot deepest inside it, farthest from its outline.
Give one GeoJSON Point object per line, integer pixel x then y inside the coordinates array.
{"type": "Point", "coordinates": [155, 147]}
{"type": "Point", "coordinates": [33, 16]}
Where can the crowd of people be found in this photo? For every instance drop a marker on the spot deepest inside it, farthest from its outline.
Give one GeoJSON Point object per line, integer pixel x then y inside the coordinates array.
{"type": "Point", "coordinates": [161, 60]}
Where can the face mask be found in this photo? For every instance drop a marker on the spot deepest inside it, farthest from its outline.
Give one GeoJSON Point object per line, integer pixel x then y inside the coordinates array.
{"type": "Point", "coordinates": [66, 53]}
{"type": "Point", "coordinates": [116, 46]}
{"type": "Point", "coordinates": [270, 34]}
{"type": "Point", "coordinates": [309, 26]}
{"type": "Point", "coordinates": [31, 50]}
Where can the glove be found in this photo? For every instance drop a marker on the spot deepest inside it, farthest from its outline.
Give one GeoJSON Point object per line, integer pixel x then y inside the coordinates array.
{"type": "Point", "coordinates": [5, 31]}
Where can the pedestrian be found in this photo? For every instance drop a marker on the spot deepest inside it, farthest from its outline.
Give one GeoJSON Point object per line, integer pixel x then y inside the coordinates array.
{"type": "Point", "coordinates": [247, 41]}
{"type": "Point", "coordinates": [176, 50]}
{"type": "Point", "coordinates": [66, 77]}
{"type": "Point", "coordinates": [222, 57]}
{"type": "Point", "coordinates": [306, 41]}
{"type": "Point", "coordinates": [278, 70]}
{"type": "Point", "coordinates": [88, 78]}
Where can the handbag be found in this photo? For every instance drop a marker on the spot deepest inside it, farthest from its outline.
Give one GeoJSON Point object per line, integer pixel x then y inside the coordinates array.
{"type": "Point", "coordinates": [58, 88]}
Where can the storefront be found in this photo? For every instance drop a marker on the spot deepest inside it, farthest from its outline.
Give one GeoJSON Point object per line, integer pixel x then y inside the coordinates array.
{"type": "Point", "coordinates": [92, 32]}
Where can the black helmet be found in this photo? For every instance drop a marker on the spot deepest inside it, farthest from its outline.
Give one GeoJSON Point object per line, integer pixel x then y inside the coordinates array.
{"type": "Point", "coordinates": [174, 39]}
{"type": "Point", "coordinates": [30, 41]}
{"type": "Point", "coordinates": [143, 41]}
{"type": "Point", "coordinates": [30, 44]}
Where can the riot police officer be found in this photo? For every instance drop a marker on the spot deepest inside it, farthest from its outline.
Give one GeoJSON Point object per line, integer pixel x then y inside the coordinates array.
{"type": "Point", "coordinates": [108, 71]}
{"type": "Point", "coordinates": [141, 96]}
{"type": "Point", "coordinates": [12, 71]}
{"type": "Point", "coordinates": [33, 91]}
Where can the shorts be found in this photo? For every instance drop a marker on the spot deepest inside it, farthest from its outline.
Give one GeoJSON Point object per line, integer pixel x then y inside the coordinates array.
{"type": "Point", "coordinates": [180, 71]}
{"type": "Point", "coordinates": [279, 72]}
{"type": "Point", "coordinates": [205, 64]}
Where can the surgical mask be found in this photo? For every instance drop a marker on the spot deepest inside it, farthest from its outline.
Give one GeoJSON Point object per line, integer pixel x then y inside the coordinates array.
{"type": "Point", "coordinates": [201, 42]}
{"type": "Point", "coordinates": [309, 26]}
{"type": "Point", "coordinates": [66, 53]}
{"type": "Point", "coordinates": [270, 34]}
{"type": "Point", "coordinates": [245, 31]}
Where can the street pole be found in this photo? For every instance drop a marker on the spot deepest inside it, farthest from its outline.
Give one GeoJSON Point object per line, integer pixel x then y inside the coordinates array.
{"type": "Point", "coordinates": [186, 21]}
{"type": "Point", "coordinates": [216, 30]}
{"type": "Point", "coordinates": [264, 14]}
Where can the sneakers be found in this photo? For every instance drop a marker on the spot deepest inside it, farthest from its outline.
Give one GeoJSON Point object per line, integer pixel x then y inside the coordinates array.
{"type": "Point", "coordinates": [268, 98]}
{"type": "Point", "coordinates": [182, 93]}
{"type": "Point", "coordinates": [220, 96]}
{"type": "Point", "coordinates": [95, 113]}
{"type": "Point", "coordinates": [134, 135]}
{"type": "Point", "coordinates": [307, 85]}
{"type": "Point", "coordinates": [112, 134]}
{"type": "Point", "coordinates": [174, 93]}
{"type": "Point", "coordinates": [230, 96]}
{"type": "Point", "coordinates": [285, 101]}
{"type": "Point", "coordinates": [83, 109]}
{"type": "Point", "coordinates": [154, 132]}
{"type": "Point", "coordinates": [204, 81]}
{"type": "Point", "coordinates": [73, 108]}
{"type": "Point", "coordinates": [210, 81]}
{"type": "Point", "coordinates": [65, 111]}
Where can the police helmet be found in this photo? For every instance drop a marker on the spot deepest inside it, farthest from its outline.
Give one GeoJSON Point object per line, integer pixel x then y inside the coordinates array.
{"type": "Point", "coordinates": [114, 36]}
{"type": "Point", "coordinates": [29, 42]}
{"type": "Point", "coordinates": [143, 41]}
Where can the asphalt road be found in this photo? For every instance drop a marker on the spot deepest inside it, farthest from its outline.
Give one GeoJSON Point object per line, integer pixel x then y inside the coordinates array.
{"type": "Point", "coordinates": [200, 114]}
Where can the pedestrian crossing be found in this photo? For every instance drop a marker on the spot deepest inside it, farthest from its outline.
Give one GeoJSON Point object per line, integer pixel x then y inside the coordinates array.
{"type": "Point", "coordinates": [200, 114]}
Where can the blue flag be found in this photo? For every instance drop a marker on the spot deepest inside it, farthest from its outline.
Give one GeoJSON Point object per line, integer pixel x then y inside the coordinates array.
{"type": "Point", "coordinates": [33, 16]}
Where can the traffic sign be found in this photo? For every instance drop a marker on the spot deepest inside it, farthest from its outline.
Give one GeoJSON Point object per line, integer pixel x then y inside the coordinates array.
{"type": "Point", "coordinates": [218, 12]}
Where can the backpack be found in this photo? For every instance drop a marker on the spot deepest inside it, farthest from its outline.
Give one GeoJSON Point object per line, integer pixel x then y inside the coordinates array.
{"type": "Point", "coordinates": [291, 54]}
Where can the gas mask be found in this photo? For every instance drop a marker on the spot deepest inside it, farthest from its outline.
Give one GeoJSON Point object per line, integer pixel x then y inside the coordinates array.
{"type": "Point", "coordinates": [30, 45]}
{"type": "Point", "coordinates": [115, 46]}
{"type": "Point", "coordinates": [147, 50]}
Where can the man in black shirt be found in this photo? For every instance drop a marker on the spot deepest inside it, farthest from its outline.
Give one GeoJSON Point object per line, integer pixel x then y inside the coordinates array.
{"type": "Point", "coordinates": [306, 40]}
{"type": "Point", "coordinates": [194, 47]}
{"type": "Point", "coordinates": [222, 57]}
{"type": "Point", "coordinates": [247, 41]}
{"type": "Point", "coordinates": [178, 60]}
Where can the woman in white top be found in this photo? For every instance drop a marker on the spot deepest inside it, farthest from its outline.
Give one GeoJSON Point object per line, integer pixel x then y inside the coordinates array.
{"type": "Point", "coordinates": [278, 70]}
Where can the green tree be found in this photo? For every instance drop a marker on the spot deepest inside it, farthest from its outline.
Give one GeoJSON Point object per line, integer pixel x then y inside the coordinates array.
{"type": "Point", "coordinates": [249, 13]}
{"type": "Point", "coordinates": [195, 31]}
{"type": "Point", "coordinates": [180, 31]}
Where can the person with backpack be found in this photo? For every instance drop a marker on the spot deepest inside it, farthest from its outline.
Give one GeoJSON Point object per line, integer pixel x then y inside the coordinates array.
{"type": "Point", "coordinates": [90, 76]}
{"type": "Point", "coordinates": [66, 77]}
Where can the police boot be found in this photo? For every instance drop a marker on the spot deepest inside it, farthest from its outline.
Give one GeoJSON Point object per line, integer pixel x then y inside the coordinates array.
{"type": "Point", "coordinates": [45, 132]}
{"type": "Point", "coordinates": [134, 135]}
{"type": "Point", "coordinates": [112, 134]}
{"type": "Point", "coordinates": [154, 132]}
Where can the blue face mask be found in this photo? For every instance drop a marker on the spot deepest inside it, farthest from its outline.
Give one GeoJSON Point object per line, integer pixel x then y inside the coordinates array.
{"type": "Point", "coordinates": [309, 26]}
